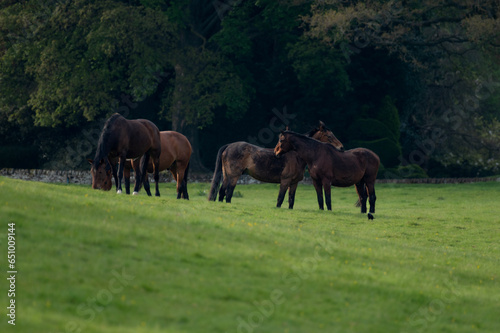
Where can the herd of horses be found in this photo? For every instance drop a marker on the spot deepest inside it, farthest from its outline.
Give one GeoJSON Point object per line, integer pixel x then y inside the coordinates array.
{"type": "Point", "coordinates": [139, 145]}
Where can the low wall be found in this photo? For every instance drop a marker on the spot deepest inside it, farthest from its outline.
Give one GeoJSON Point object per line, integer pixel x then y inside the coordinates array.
{"type": "Point", "coordinates": [83, 177]}
{"type": "Point", "coordinates": [48, 176]}
{"type": "Point", "coordinates": [438, 180]}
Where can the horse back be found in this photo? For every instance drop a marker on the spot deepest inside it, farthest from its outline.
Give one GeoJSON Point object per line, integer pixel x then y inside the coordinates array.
{"type": "Point", "coordinates": [260, 163]}
{"type": "Point", "coordinates": [264, 166]}
{"type": "Point", "coordinates": [174, 147]}
{"type": "Point", "coordinates": [370, 160]}
{"type": "Point", "coordinates": [350, 167]}
{"type": "Point", "coordinates": [366, 156]}
{"type": "Point", "coordinates": [340, 168]}
{"type": "Point", "coordinates": [143, 135]}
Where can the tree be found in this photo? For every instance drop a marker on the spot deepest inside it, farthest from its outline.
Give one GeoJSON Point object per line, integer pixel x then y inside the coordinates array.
{"type": "Point", "coordinates": [452, 45]}
{"type": "Point", "coordinates": [77, 58]}
{"type": "Point", "coordinates": [204, 80]}
{"type": "Point", "coordinates": [223, 69]}
{"type": "Point", "coordinates": [66, 63]}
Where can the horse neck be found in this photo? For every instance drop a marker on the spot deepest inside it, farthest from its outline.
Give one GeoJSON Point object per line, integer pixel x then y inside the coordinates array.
{"type": "Point", "coordinates": [305, 148]}
{"type": "Point", "coordinates": [100, 154]}
{"type": "Point", "coordinates": [107, 140]}
{"type": "Point", "coordinates": [103, 146]}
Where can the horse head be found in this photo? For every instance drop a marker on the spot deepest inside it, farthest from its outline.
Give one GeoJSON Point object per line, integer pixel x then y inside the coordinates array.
{"type": "Point", "coordinates": [101, 174]}
{"type": "Point", "coordinates": [283, 145]}
{"type": "Point", "coordinates": [324, 134]}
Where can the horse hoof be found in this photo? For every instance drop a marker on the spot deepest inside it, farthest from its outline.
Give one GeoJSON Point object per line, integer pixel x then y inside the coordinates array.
{"type": "Point", "coordinates": [119, 192]}
{"type": "Point", "coordinates": [135, 193]}
{"type": "Point", "coordinates": [370, 216]}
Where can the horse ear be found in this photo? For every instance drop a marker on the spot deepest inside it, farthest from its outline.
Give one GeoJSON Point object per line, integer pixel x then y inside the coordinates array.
{"type": "Point", "coordinates": [90, 161]}
{"type": "Point", "coordinates": [321, 125]}
{"type": "Point", "coordinates": [287, 128]}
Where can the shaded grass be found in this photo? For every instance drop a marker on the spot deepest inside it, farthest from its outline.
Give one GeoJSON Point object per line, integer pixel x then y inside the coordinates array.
{"type": "Point", "coordinates": [93, 261]}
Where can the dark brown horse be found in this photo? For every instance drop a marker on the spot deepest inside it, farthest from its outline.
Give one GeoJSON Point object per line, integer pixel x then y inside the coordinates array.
{"type": "Point", "coordinates": [123, 139]}
{"type": "Point", "coordinates": [260, 163]}
{"type": "Point", "coordinates": [328, 166]}
{"type": "Point", "coordinates": [175, 154]}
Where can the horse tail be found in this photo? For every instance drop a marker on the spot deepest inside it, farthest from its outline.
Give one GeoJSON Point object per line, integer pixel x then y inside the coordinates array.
{"type": "Point", "coordinates": [358, 203]}
{"type": "Point", "coordinates": [217, 175]}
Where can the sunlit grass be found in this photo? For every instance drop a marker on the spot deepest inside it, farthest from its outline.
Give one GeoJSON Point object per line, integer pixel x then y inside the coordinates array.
{"type": "Point", "coordinates": [93, 261]}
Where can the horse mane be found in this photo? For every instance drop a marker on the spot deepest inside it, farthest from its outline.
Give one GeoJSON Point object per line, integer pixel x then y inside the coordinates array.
{"type": "Point", "coordinates": [316, 129]}
{"type": "Point", "coordinates": [102, 149]}
{"type": "Point", "coordinates": [311, 132]}
{"type": "Point", "coordinates": [305, 136]}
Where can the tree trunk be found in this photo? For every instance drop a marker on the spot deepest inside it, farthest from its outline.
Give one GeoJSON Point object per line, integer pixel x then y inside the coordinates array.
{"type": "Point", "coordinates": [179, 123]}
{"type": "Point", "coordinates": [195, 164]}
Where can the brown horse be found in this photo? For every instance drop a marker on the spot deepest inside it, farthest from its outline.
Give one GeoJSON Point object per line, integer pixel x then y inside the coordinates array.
{"type": "Point", "coordinates": [235, 158]}
{"type": "Point", "coordinates": [123, 139]}
{"type": "Point", "coordinates": [328, 166]}
{"type": "Point", "coordinates": [175, 154]}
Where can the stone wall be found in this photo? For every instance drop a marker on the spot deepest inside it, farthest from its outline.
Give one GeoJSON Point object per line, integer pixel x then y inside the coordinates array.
{"type": "Point", "coordinates": [48, 176]}
{"type": "Point", "coordinates": [438, 180]}
{"type": "Point", "coordinates": [83, 177]}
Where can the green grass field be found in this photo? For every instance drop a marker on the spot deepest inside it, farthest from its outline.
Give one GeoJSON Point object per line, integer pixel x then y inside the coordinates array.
{"type": "Point", "coordinates": [93, 261]}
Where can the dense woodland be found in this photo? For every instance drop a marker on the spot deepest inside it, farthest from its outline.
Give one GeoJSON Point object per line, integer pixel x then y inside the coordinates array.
{"type": "Point", "coordinates": [418, 82]}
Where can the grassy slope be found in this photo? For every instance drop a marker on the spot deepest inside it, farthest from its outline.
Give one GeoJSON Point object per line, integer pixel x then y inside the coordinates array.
{"type": "Point", "coordinates": [91, 261]}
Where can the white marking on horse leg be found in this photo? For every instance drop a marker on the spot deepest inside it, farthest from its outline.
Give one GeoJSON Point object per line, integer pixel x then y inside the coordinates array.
{"type": "Point", "coordinates": [135, 193]}
{"type": "Point", "coordinates": [119, 192]}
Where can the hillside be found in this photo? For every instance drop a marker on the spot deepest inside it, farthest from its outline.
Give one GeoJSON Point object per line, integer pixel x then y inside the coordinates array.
{"type": "Point", "coordinates": [92, 261]}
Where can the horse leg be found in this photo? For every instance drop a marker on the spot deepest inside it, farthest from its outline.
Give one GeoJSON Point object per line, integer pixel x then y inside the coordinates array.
{"type": "Point", "coordinates": [114, 170]}
{"type": "Point", "coordinates": [156, 165]}
{"type": "Point", "coordinates": [123, 158]}
{"type": "Point", "coordinates": [222, 190]}
{"type": "Point", "coordinates": [281, 195]}
{"type": "Point", "coordinates": [185, 194]}
{"type": "Point", "coordinates": [182, 175]}
{"type": "Point", "coordinates": [224, 186]}
{"type": "Point", "coordinates": [181, 186]}
{"type": "Point", "coordinates": [319, 192]}
{"type": "Point", "coordinates": [178, 170]}
{"type": "Point", "coordinates": [178, 179]}
{"type": "Point", "coordinates": [145, 182]}
{"type": "Point", "coordinates": [361, 189]}
{"type": "Point", "coordinates": [136, 165]}
{"type": "Point", "coordinates": [126, 174]}
{"type": "Point", "coordinates": [328, 195]}
{"type": "Point", "coordinates": [291, 195]}
{"type": "Point", "coordinates": [157, 183]}
{"type": "Point", "coordinates": [230, 189]}
{"type": "Point", "coordinates": [141, 176]}
{"type": "Point", "coordinates": [372, 196]}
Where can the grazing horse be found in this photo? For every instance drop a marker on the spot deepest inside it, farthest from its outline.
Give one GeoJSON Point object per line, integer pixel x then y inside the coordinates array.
{"type": "Point", "coordinates": [328, 166]}
{"type": "Point", "coordinates": [123, 139]}
{"type": "Point", "coordinates": [175, 154]}
{"type": "Point", "coordinates": [260, 163]}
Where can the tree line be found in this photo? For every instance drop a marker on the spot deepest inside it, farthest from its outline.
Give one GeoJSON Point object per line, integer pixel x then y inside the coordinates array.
{"type": "Point", "coordinates": [418, 82]}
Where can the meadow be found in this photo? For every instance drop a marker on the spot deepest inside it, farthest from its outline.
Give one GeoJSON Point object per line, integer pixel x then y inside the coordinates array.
{"type": "Point", "coordinates": [94, 261]}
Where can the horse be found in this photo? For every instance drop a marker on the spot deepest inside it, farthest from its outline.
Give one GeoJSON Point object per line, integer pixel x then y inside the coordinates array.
{"type": "Point", "coordinates": [329, 167]}
{"type": "Point", "coordinates": [123, 139]}
{"type": "Point", "coordinates": [260, 163]}
{"type": "Point", "coordinates": [175, 154]}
